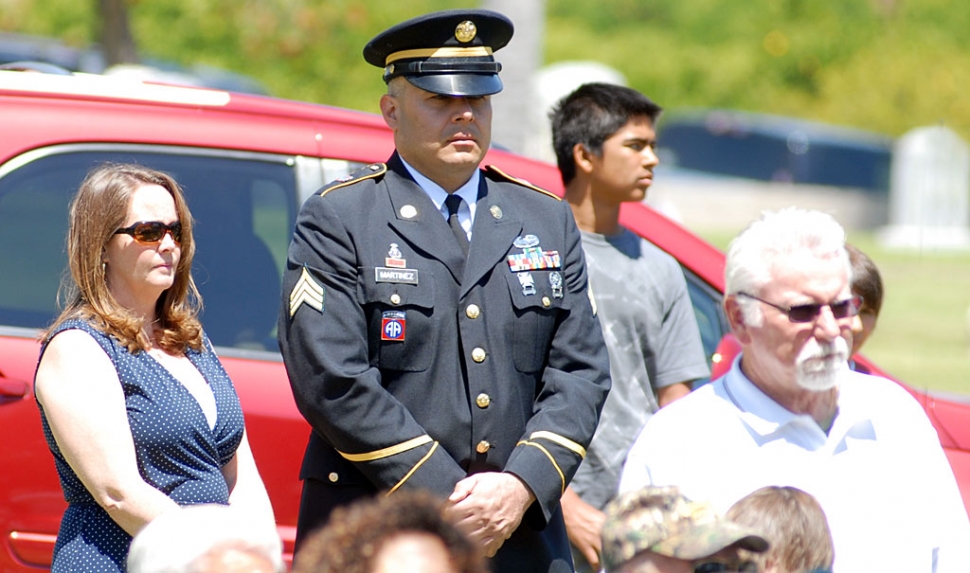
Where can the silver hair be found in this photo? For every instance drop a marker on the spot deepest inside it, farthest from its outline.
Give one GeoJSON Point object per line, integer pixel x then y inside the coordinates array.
{"type": "Point", "coordinates": [772, 239]}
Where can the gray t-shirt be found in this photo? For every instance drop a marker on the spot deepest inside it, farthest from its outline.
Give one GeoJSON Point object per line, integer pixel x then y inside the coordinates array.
{"type": "Point", "coordinates": [652, 336]}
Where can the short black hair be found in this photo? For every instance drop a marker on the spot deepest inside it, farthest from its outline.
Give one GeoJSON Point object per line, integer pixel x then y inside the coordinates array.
{"type": "Point", "coordinates": [592, 114]}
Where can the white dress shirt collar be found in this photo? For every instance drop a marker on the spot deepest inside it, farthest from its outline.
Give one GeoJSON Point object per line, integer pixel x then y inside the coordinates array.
{"type": "Point", "coordinates": [468, 192]}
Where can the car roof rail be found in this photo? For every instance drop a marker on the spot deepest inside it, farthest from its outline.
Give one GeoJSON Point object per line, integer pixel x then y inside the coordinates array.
{"type": "Point", "coordinates": [34, 66]}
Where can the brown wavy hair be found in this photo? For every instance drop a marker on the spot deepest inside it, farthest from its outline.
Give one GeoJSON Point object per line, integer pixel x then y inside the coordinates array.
{"type": "Point", "coordinates": [355, 534]}
{"type": "Point", "coordinates": [99, 208]}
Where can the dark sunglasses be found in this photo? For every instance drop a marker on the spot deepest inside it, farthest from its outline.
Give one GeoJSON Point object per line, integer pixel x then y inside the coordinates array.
{"type": "Point", "coordinates": [721, 567]}
{"type": "Point", "coordinates": [808, 312]}
{"type": "Point", "coordinates": [152, 231]}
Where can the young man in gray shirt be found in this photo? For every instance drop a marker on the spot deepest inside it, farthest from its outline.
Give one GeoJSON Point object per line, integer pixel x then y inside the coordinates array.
{"type": "Point", "coordinates": [604, 140]}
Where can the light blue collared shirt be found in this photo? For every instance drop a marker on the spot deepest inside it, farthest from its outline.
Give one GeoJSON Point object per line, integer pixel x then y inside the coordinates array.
{"type": "Point", "coordinates": [468, 192]}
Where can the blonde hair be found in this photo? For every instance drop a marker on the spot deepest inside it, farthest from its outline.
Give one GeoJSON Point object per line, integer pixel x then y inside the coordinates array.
{"type": "Point", "coordinates": [794, 524]}
{"type": "Point", "coordinates": [98, 209]}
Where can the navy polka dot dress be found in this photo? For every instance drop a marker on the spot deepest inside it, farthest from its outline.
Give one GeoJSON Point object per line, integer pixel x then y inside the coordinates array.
{"type": "Point", "coordinates": [177, 451]}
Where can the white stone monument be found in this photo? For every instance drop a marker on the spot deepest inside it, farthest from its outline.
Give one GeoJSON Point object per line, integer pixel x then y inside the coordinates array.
{"type": "Point", "coordinates": [929, 194]}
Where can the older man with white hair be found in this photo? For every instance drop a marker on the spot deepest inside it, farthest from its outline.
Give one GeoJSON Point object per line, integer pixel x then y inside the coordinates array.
{"type": "Point", "coordinates": [791, 413]}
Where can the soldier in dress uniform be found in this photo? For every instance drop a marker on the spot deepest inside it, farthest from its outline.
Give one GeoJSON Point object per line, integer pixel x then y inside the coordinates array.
{"type": "Point", "coordinates": [436, 324]}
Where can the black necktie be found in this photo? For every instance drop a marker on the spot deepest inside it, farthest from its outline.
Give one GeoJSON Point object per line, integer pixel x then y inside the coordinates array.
{"type": "Point", "coordinates": [453, 202]}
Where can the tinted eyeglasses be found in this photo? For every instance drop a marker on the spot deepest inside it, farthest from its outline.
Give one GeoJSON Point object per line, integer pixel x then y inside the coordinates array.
{"type": "Point", "coordinates": [721, 567]}
{"type": "Point", "coordinates": [809, 312]}
{"type": "Point", "coordinates": [152, 231]}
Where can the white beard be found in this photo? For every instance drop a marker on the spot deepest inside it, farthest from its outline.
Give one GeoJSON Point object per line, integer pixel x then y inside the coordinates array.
{"type": "Point", "coordinates": [818, 366]}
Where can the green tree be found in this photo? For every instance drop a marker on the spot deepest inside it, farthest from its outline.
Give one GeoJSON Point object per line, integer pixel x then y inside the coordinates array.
{"type": "Point", "coordinates": [884, 65]}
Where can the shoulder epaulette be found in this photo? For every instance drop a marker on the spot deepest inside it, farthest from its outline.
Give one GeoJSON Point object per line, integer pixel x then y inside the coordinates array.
{"type": "Point", "coordinates": [369, 172]}
{"type": "Point", "coordinates": [503, 175]}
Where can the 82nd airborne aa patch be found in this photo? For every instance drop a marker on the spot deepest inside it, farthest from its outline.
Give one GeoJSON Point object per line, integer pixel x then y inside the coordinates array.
{"type": "Point", "coordinates": [393, 325]}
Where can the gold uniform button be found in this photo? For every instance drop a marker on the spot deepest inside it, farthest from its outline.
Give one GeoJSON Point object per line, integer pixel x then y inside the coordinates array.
{"type": "Point", "coordinates": [478, 354]}
{"type": "Point", "coordinates": [472, 311]}
{"type": "Point", "coordinates": [396, 299]}
{"type": "Point", "coordinates": [483, 400]}
{"type": "Point", "coordinates": [545, 301]}
{"type": "Point", "coordinates": [482, 447]}
{"type": "Point", "coordinates": [333, 477]}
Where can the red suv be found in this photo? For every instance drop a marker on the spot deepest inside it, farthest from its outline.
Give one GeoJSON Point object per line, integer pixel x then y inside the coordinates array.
{"type": "Point", "coordinates": [246, 164]}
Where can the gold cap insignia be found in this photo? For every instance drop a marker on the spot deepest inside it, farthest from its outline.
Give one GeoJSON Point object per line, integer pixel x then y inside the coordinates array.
{"type": "Point", "coordinates": [465, 32]}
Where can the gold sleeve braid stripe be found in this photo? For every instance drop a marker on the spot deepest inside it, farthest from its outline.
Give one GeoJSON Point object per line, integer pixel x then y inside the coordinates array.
{"type": "Point", "coordinates": [551, 459]}
{"type": "Point", "coordinates": [562, 441]}
{"type": "Point", "coordinates": [408, 475]}
{"type": "Point", "coordinates": [387, 452]}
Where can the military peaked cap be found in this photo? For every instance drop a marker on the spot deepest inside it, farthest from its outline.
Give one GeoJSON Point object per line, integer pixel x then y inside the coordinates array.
{"type": "Point", "coordinates": [447, 52]}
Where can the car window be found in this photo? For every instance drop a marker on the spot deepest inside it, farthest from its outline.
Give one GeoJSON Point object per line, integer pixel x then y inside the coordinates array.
{"type": "Point", "coordinates": [709, 314]}
{"type": "Point", "coordinates": [244, 206]}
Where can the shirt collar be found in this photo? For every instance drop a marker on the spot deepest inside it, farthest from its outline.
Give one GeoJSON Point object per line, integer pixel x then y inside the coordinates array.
{"type": "Point", "coordinates": [758, 410]}
{"type": "Point", "coordinates": [468, 191]}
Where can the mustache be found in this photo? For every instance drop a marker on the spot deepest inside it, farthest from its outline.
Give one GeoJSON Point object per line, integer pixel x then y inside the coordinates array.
{"type": "Point", "coordinates": [835, 351]}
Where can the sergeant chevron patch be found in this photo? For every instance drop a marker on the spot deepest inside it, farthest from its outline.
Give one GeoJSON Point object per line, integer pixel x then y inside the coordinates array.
{"type": "Point", "coordinates": [306, 291]}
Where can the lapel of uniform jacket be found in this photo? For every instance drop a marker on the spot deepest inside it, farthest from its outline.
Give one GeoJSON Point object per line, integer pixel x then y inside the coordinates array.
{"type": "Point", "coordinates": [497, 224]}
{"type": "Point", "coordinates": [418, 222]}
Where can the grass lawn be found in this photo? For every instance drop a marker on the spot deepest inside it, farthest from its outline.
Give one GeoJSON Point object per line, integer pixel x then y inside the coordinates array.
{"type": "Point", "coordinates": [923, 334]}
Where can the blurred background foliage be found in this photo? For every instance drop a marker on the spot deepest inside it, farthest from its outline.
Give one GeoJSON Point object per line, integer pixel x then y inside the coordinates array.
{"type": "Point", "coordinates": [883, 65]}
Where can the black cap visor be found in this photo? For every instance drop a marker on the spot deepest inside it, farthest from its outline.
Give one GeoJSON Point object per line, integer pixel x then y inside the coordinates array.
{"type": "Point", "coordinates": [469, 85]}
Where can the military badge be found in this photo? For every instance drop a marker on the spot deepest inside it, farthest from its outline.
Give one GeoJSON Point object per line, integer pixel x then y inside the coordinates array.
{"type": "Point", "coordinates": [555, 281]}
{"type": "Point", "coordinates": [466, 31]}
{"type": "Point", "coordinates": [409, 212]}
{"type": "Point", "coordinates": [525, 242]}
{"type": "Point", "coordinates": [395, 258]}
{"type": "Point", "coordinates": [527, 282]}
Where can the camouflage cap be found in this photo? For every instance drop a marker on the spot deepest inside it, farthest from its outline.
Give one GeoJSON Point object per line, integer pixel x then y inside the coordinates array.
{"type": "Point", "coordinates": [661, 520]}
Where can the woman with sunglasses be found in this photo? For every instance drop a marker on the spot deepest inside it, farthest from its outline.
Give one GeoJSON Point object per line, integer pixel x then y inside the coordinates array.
{"type": "Point", "coordinates": [137, 410]}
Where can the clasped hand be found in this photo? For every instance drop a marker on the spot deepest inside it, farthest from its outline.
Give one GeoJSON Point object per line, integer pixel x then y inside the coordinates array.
{"type": "Point", "coordinates": [489, 506]}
